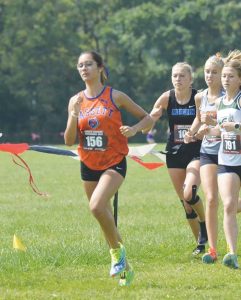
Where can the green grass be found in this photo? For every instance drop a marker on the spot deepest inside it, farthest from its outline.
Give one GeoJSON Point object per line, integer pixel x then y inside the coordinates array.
{"type": "Point", "coordinates": [67, 257]}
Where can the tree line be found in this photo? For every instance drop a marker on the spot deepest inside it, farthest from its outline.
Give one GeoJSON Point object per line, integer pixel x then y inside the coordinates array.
{"type": "Point", "coordinates": [140, 40]}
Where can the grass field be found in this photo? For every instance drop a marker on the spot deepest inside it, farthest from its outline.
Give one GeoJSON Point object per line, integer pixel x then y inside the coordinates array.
{"type": "Point", "coordinates": [67, 257]}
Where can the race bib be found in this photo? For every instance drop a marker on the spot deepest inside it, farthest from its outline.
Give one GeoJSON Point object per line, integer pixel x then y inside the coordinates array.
{"type": "Point", "coordinates": [94, 140]}
{"type": "Point", "coordinates": [231, 144]}
{"type": "Point", "coordinates": [212, 138]}
{"type": "Point", "coordinates": [179, 132]}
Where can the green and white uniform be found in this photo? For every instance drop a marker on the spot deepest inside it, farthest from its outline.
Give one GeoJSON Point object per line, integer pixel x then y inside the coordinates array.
{"type": "Point", "coordinates": [230, 148]}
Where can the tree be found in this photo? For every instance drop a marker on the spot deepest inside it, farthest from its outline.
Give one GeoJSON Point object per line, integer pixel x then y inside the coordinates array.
{"type": "Point", "coordinates": [140, 41]}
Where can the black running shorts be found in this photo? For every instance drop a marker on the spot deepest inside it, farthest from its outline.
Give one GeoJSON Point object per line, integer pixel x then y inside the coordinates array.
{"type": "Point", "coordinates": [229, 169]}
{"type": "Point", "coordinates": [208, 159]}
{"type": "Point", "coordinates": [180, 161]}
{"type": "Point", "coordinates": [88, 174]}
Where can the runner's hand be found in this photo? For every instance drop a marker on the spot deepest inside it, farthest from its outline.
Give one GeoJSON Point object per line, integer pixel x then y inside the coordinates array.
{"type": "Point", "coordinates": [128, 131]}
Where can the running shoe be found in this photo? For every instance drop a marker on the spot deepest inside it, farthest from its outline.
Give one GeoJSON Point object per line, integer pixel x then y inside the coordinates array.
{"type": "Point", "coordinates": [126, 277]}
{"type": "Point", "coordinates": [118, 260]}
{"type": "Point", "coordinates": [231, 261]}
{"type": "Point", "coordinates": [198, 250]}
{"type": "Point", "coordinates": [210, 257]}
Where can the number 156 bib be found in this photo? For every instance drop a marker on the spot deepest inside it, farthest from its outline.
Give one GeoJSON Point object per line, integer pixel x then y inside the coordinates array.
{"type": "Point", "coordinates": [94, 140]}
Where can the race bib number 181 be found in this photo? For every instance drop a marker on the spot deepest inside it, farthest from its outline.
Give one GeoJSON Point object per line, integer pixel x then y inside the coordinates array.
{"type": "Point", "coordinates": [231, 144]}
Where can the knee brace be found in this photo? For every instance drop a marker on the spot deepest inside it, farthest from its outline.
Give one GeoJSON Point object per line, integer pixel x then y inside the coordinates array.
{"type": "Point", "coordinates": [194, 200]}
{"type": "Point", "coordinates": [191, 215]}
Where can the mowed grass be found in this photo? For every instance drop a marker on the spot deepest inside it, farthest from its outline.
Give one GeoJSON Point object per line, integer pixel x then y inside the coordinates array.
{"type": "Point", "coordinates": [67, 256]}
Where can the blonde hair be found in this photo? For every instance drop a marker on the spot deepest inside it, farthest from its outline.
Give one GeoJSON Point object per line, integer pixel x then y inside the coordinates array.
{"type": "Point", "coordinates": [233, 60]}
{"type": "Point", "coordinates": [216, 60]}
{"type": "Point", "coordinates": [185, 66]}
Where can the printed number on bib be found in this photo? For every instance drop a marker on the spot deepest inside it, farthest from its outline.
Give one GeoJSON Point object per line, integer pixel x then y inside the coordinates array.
{"type": "Point", "coordinates": [231, 144]}
{"type": "Point", "coordinates": [179, 132]}
{"type": "Point", "coordinates": [94, 140]}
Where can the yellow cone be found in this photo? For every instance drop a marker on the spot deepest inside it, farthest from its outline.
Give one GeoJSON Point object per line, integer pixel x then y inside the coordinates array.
{"type": "Point", "coordinates": [18, 245]}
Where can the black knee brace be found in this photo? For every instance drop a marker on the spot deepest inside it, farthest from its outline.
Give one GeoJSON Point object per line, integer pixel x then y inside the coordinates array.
{"type": "Point", "coordinates": [194, 200]}
{"type": "Point", "coordinates": [191, 215]}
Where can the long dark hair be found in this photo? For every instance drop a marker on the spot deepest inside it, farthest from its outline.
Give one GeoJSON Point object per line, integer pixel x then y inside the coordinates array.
{"type": "Point", "coordinates": [100, 63]}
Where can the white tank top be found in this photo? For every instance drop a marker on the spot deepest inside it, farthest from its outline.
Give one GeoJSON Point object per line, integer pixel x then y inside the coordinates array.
{"type": "Point", "coordinates": [210, 143]}
{"type": "Point", "coordinates": [230, 148]}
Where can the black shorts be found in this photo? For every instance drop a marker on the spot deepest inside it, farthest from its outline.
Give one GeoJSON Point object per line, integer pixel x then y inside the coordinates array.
{"type": "Point", "coordinates": [88, 174]}
{"type": "Point", "coordinates": [180, 160]}
{"type": "Point", "coordinates": [208, 159]}
{"type": "Point", "coordinates": [230, 169]}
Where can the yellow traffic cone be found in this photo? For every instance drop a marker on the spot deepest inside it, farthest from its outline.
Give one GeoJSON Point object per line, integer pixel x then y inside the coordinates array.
{"type": "Point", "coordinates": [18, 245]}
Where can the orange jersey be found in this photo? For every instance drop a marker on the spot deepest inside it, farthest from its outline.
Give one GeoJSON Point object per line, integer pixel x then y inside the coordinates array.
{"type": "Point", "coordinates": [101, 143]}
